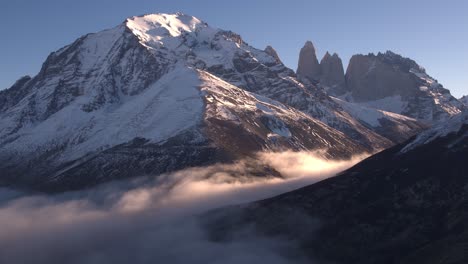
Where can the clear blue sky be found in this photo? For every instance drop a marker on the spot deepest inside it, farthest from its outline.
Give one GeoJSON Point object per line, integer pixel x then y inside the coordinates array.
{"type": "Point", "coordinates": [434, 33]}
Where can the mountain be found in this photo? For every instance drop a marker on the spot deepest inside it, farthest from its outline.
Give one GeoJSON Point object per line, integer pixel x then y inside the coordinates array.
{"type": "Point", "coordinates": [158, 93]}
{"type": "Point", "coordinates": [332, 76]}
{"type": "Point", "coordinates": [464, 100]}
{"type": "Point", "coordinates": [308, 65]}
{"type": "Point", "coordinates": [386, 81]}
{"type": "Point", "coordinates": [329, 76]}
{"type": "Point", "coordinates": [329, 73]}
{"type": "Point", "coordinates": [390, 82]}
{"type": "Point", "coordinates": [407, 204]}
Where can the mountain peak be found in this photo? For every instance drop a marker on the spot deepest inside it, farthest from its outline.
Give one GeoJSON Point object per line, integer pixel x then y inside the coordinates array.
{"type": "Point", "coordinates": [163, 24]}
{"type": "Point", "coordinates": [328, 56]}
{"type": "Point", "coordinates": [308, 65]}
{"type": "Point", "coordinates": [272, 52]}
{"type": "Point", "coordinates": [332, 74]}
{"type": "Point", "coordinates": [309, 45]}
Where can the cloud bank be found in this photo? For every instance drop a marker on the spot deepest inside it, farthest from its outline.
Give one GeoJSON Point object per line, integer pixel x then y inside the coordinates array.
{"type": "Point", "coordinates": [151, 219]}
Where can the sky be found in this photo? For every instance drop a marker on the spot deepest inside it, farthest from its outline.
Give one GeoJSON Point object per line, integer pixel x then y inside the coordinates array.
{"type": "Point", "coordinates": [433, 33]}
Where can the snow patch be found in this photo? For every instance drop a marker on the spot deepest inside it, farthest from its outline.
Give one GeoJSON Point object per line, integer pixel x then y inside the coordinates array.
{"type": "Point", "coordinates": [440, 129]}
{"type": "Point", "coordinates": [369, 115]}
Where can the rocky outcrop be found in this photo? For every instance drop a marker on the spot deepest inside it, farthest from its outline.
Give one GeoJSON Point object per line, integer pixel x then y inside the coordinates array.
{"type": "Point", "coordinates": [332, 76]}
{"type": "Point", "coordinates": [15, 93]}
{"type": "Point", "coordinates": [272, 52]}
{"type": "Point", "coordinates": [390, 82]}
{"type": "Point", "coordinates": [329, 73]}
{"type": "Point", "coordinates": [308, 66]}
{"type": "Point", "coordinates": [371, 77]}
{"type": "Point", "coordinates": [464, 100]}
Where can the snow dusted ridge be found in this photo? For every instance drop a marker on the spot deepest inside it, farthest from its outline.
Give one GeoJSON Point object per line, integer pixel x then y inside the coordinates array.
{"type": "Point", "coordinates": [370, 115]}
{"type": "Point", "coordinates": [441, 129]}
{"type": "Point", "coordinates": [167, 107]}
{"type": "Point", "coordinates": [396, 127]}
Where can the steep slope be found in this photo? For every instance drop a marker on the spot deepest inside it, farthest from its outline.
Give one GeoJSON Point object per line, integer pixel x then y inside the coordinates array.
{"type": "Point", "coordinates": [407, 204]}
{"type": "Point", "coordinates": [395, 127]}
{"type": "Point", "coordinates": [390, 82]}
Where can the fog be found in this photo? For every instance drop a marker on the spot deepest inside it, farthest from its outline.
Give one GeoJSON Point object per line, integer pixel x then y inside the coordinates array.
{"type": "Point", "coordinates": [152, 219]}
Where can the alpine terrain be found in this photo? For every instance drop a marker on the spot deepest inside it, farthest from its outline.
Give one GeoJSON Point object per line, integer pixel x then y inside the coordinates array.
{"type": "Point", "coordinates": [161, 92]}
{"type": "Point", "coordinates": [385, 82]}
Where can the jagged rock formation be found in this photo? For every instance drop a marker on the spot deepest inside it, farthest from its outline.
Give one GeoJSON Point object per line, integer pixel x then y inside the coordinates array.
{"type": "Point", "coordinates": [386, 81]}
{"type": "Point", "coordinates": [308, 65]}
{"type": "Point", "coordinates": [407, 204]}
{"type": "Point", "coordinates": [332, 76]}
{"type": "Point", "coordinates": [390, 82]}
{"type": "Point", "coordinates": [329, 73]}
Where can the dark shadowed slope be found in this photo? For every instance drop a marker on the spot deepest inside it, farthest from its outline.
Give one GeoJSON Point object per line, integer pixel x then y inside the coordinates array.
{"type": "Point", "coordinates": [408, 204]}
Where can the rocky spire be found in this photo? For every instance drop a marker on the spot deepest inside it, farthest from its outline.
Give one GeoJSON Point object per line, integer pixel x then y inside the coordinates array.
{"type": "Point", "coordinates": [308, 65]}
{"type": "Point", "coordinates": [272, 52]}
{"type": "Point", "coordinates": [332, 74]}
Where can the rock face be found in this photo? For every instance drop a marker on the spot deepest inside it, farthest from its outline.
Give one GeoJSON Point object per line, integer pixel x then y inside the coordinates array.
{"type": "Point", "coordinates": [390, 82]}
{"type": "Point", "coordinates": [372, 77]}
{"type": "Point", "coordinates": [407, 204]}
{"type": "Point", "coordinates": [158, 93]}
{"type": "Point", "coordinates": [272, 52]}
{"type": "Point", "coordinates": [329, 73]}
{"type": "Point", "coordinates": [308, 66]}
{"type": "Point", "coordinates": [332, 76]}
{"type": "Point", "coordinates": [464, 100]}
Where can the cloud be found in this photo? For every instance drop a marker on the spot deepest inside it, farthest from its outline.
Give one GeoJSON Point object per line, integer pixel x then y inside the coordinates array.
{"type": "Point", "coordinates": [151, 219]}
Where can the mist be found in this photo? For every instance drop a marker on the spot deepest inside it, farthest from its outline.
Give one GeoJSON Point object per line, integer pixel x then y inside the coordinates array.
{"type": "Point", "coordinates": [153, 219]}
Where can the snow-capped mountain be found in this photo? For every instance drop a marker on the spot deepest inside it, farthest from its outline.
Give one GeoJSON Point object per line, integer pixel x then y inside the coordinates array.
{"type": "Point", "coordinates": [406, 204]}
{"type": "Point", "coordinates": [158, 93]}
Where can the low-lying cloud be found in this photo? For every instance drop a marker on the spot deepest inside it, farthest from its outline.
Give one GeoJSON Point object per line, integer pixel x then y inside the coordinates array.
{"type": "Point", "coordinates": [150, 219]}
